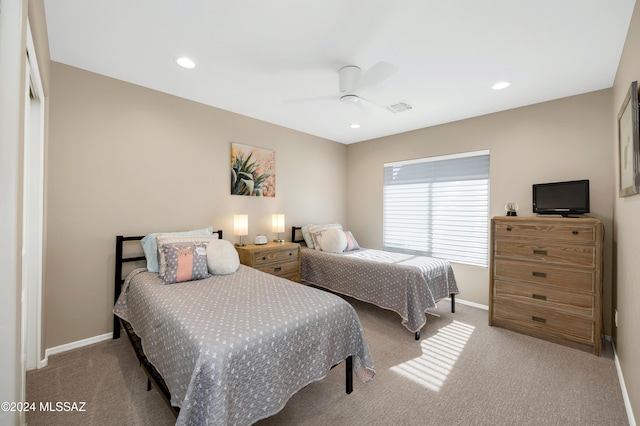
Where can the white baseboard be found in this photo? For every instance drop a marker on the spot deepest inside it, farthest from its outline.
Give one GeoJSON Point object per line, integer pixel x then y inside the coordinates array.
{"type": "Point", "coordinates": [623, 388]}
{"type": "Point", "coordinates": [474, 304]}
{"type": "Point", "coordinates": [72, 345]}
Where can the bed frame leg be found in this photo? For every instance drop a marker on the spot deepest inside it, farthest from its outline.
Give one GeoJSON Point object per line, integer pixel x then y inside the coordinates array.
{"type": "Point", "coordinates": [349, 374]}
{"type": "Point", "coordinates": [453, 303]}
{"type": "Point", "coordinates": [418, 335]}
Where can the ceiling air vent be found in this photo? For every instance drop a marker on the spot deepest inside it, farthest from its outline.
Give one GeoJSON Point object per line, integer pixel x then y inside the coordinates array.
{"type": "Point", "coordinates": [400, 106]}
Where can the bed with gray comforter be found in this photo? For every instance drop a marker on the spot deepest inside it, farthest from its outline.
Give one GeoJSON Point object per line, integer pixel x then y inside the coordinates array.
{"type": "Point", "coordinates": [234, 348]}
{"type": "Point", "coordinates": [403, 283]}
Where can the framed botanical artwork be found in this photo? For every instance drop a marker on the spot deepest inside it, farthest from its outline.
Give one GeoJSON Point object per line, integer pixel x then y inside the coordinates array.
{"type": "Point", "coordinates": [629, 143]}
{"type": "Point", "coordinates": [253, 171]}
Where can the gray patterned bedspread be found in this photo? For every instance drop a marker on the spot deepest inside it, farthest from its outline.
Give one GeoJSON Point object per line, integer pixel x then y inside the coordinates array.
{"type": "Point", "coordinates": [403, 283]}
{"type": "Point", "coordinates": [234, 348]}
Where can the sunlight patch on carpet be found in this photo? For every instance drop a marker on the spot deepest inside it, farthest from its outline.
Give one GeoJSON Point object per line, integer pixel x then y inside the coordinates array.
{"type": "Point", "coordinates": [439, 354]}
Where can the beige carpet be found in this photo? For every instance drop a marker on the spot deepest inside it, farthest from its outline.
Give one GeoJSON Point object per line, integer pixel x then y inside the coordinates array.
{"type": "Point", "coordinates": [462, 372]}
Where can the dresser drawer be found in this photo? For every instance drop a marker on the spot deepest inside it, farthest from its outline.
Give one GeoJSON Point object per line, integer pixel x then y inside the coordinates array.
{"type": "Point", "coordinates": [266, 257]}
{"type": "Point", "coordinates": [540, 321]}
{"type": "Point", "coordinates": [280, 269]}
{"type": "Point", "coordinates": [577, 232]}
{"type": "Point", "coordinates": [568, 279]}
{"type": "Point", "coordinates": [580, 304]}
{"type": "Point", "coordinates": [570, 255]}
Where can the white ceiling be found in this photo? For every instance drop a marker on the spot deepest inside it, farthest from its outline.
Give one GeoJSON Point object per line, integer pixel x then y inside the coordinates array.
{"type": "Point", "coordinates": [252, 56]}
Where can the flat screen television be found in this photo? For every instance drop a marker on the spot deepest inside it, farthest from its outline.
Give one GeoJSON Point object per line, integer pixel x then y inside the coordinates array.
{"type": "Point", "coordinates": [563, 198]}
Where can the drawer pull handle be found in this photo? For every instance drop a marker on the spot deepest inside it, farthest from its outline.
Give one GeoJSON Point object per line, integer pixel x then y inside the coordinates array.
{"type": "Point", "coordinates": [539, 296]}
{"type": "Point", "coordinates": [539, 274]}
{"type": "Point", "coordinates": [542, 252]}
{"type": "Point", "coordinates": [509, 229]}
{"type": "Point", "coordinates": [575, 232]}
{"type": "Point", "coordinates": [264, 258]}
{"type": "Point", "coordinates": [278, 269]}
{"type": "Point", "coordinates": [290, 254]}
{"type": "Point", "coordinates": [538, 319]}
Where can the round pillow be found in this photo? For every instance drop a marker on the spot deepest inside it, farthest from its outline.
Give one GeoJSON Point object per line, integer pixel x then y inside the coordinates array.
{"type": "Point", "coordinates": [333, 240]}
{"type": "Point", "coordinates": [222, 257]}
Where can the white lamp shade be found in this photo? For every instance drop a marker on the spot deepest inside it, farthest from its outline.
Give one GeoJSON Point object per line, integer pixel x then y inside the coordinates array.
{"type": "Point", "coordinates": [277, 223]}
{"type": "Point", "coordinates": [240, 224]}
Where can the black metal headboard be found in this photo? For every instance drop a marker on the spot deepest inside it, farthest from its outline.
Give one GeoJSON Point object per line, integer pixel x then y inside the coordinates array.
{"type": "Point", "coordinates": [293, 234]}
{"type": "Point", "coordinates": [118, 279]}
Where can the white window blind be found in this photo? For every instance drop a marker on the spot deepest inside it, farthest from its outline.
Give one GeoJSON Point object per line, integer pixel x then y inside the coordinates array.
{"type": "Point", "coordinates": [438, 207]}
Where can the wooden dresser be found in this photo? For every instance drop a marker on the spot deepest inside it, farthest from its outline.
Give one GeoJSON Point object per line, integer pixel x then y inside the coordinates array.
{"type": "Point", "coordinates": [281, 259]}
{"type": "Point", "coordinates": [546, 279]}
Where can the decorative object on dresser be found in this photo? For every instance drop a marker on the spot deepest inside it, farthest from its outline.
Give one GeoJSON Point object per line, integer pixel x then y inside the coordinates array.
{"type": "Point", "coordinates": [511, 209]}
{"type": "Point", "coordinates": [546, 279]}
{"type": "Point", "coordinates": [281, 259]}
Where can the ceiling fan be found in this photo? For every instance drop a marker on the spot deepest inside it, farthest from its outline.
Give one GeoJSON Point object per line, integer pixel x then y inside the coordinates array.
{"type": "Point", "coordinates": [351, 81]}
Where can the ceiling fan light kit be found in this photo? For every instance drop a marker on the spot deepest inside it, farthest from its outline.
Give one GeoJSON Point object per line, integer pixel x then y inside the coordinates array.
{"type": "Point", "coordinates": [349, 99]}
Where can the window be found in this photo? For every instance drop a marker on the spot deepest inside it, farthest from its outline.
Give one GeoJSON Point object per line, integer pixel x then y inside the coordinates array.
{"type": "Point", "coordinates": [438, 207]}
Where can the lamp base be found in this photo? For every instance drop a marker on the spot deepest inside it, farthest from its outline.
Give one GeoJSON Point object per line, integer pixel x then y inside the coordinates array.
{"type": "Point", "coordinates": [278, 241]}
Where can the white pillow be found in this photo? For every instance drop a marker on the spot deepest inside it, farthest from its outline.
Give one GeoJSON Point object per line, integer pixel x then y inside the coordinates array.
{"type": "Point", "coordinates": [222, 257]}
{"type": "Point", "coordinates": [333, 240]}
{"type": "Point", "coordinates": [315, 231]}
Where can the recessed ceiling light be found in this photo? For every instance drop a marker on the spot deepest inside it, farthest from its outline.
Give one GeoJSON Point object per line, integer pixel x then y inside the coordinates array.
{"type": "Point", "coordinates": [355, 126]}
{"type": "Point", "coordinates": [185, 62]}
{"type": "Point", "coordinates": [501, 85]}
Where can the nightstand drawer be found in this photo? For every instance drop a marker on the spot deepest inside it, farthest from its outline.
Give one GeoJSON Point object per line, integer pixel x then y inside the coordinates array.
{"type": "Point", "coordinates": [271, 256]}
{"type": "Point", "coordinates": [281, 268]}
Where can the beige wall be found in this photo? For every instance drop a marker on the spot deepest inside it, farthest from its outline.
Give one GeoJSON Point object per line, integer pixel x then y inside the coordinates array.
{"type": "Point", "coordinates": [565, 139]}
{"type": "Point", "coordinates": [128, 160]}
{"type": "Point", "coordinates": [626, 234]}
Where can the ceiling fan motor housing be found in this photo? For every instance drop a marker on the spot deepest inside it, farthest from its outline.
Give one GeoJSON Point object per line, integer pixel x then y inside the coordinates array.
{"type": "Point", "coordinates": [348, 76]}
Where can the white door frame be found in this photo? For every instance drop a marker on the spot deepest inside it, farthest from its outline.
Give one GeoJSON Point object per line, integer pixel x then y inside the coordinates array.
{"type": "Point", "coordinates": [33, 212]}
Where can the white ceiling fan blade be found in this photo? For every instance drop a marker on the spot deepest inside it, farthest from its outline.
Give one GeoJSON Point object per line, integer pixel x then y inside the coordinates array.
{"type": "Point", "coordinates": [379, 72]}
{"type": "Point", "coordinates": [370, 107]}
{"type": "Point", "coordinates": [311, 99]}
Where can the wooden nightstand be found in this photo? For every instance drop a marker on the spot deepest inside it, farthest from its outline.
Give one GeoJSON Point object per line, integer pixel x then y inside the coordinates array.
{"type": "Point", "coordinates": [281, 259]}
